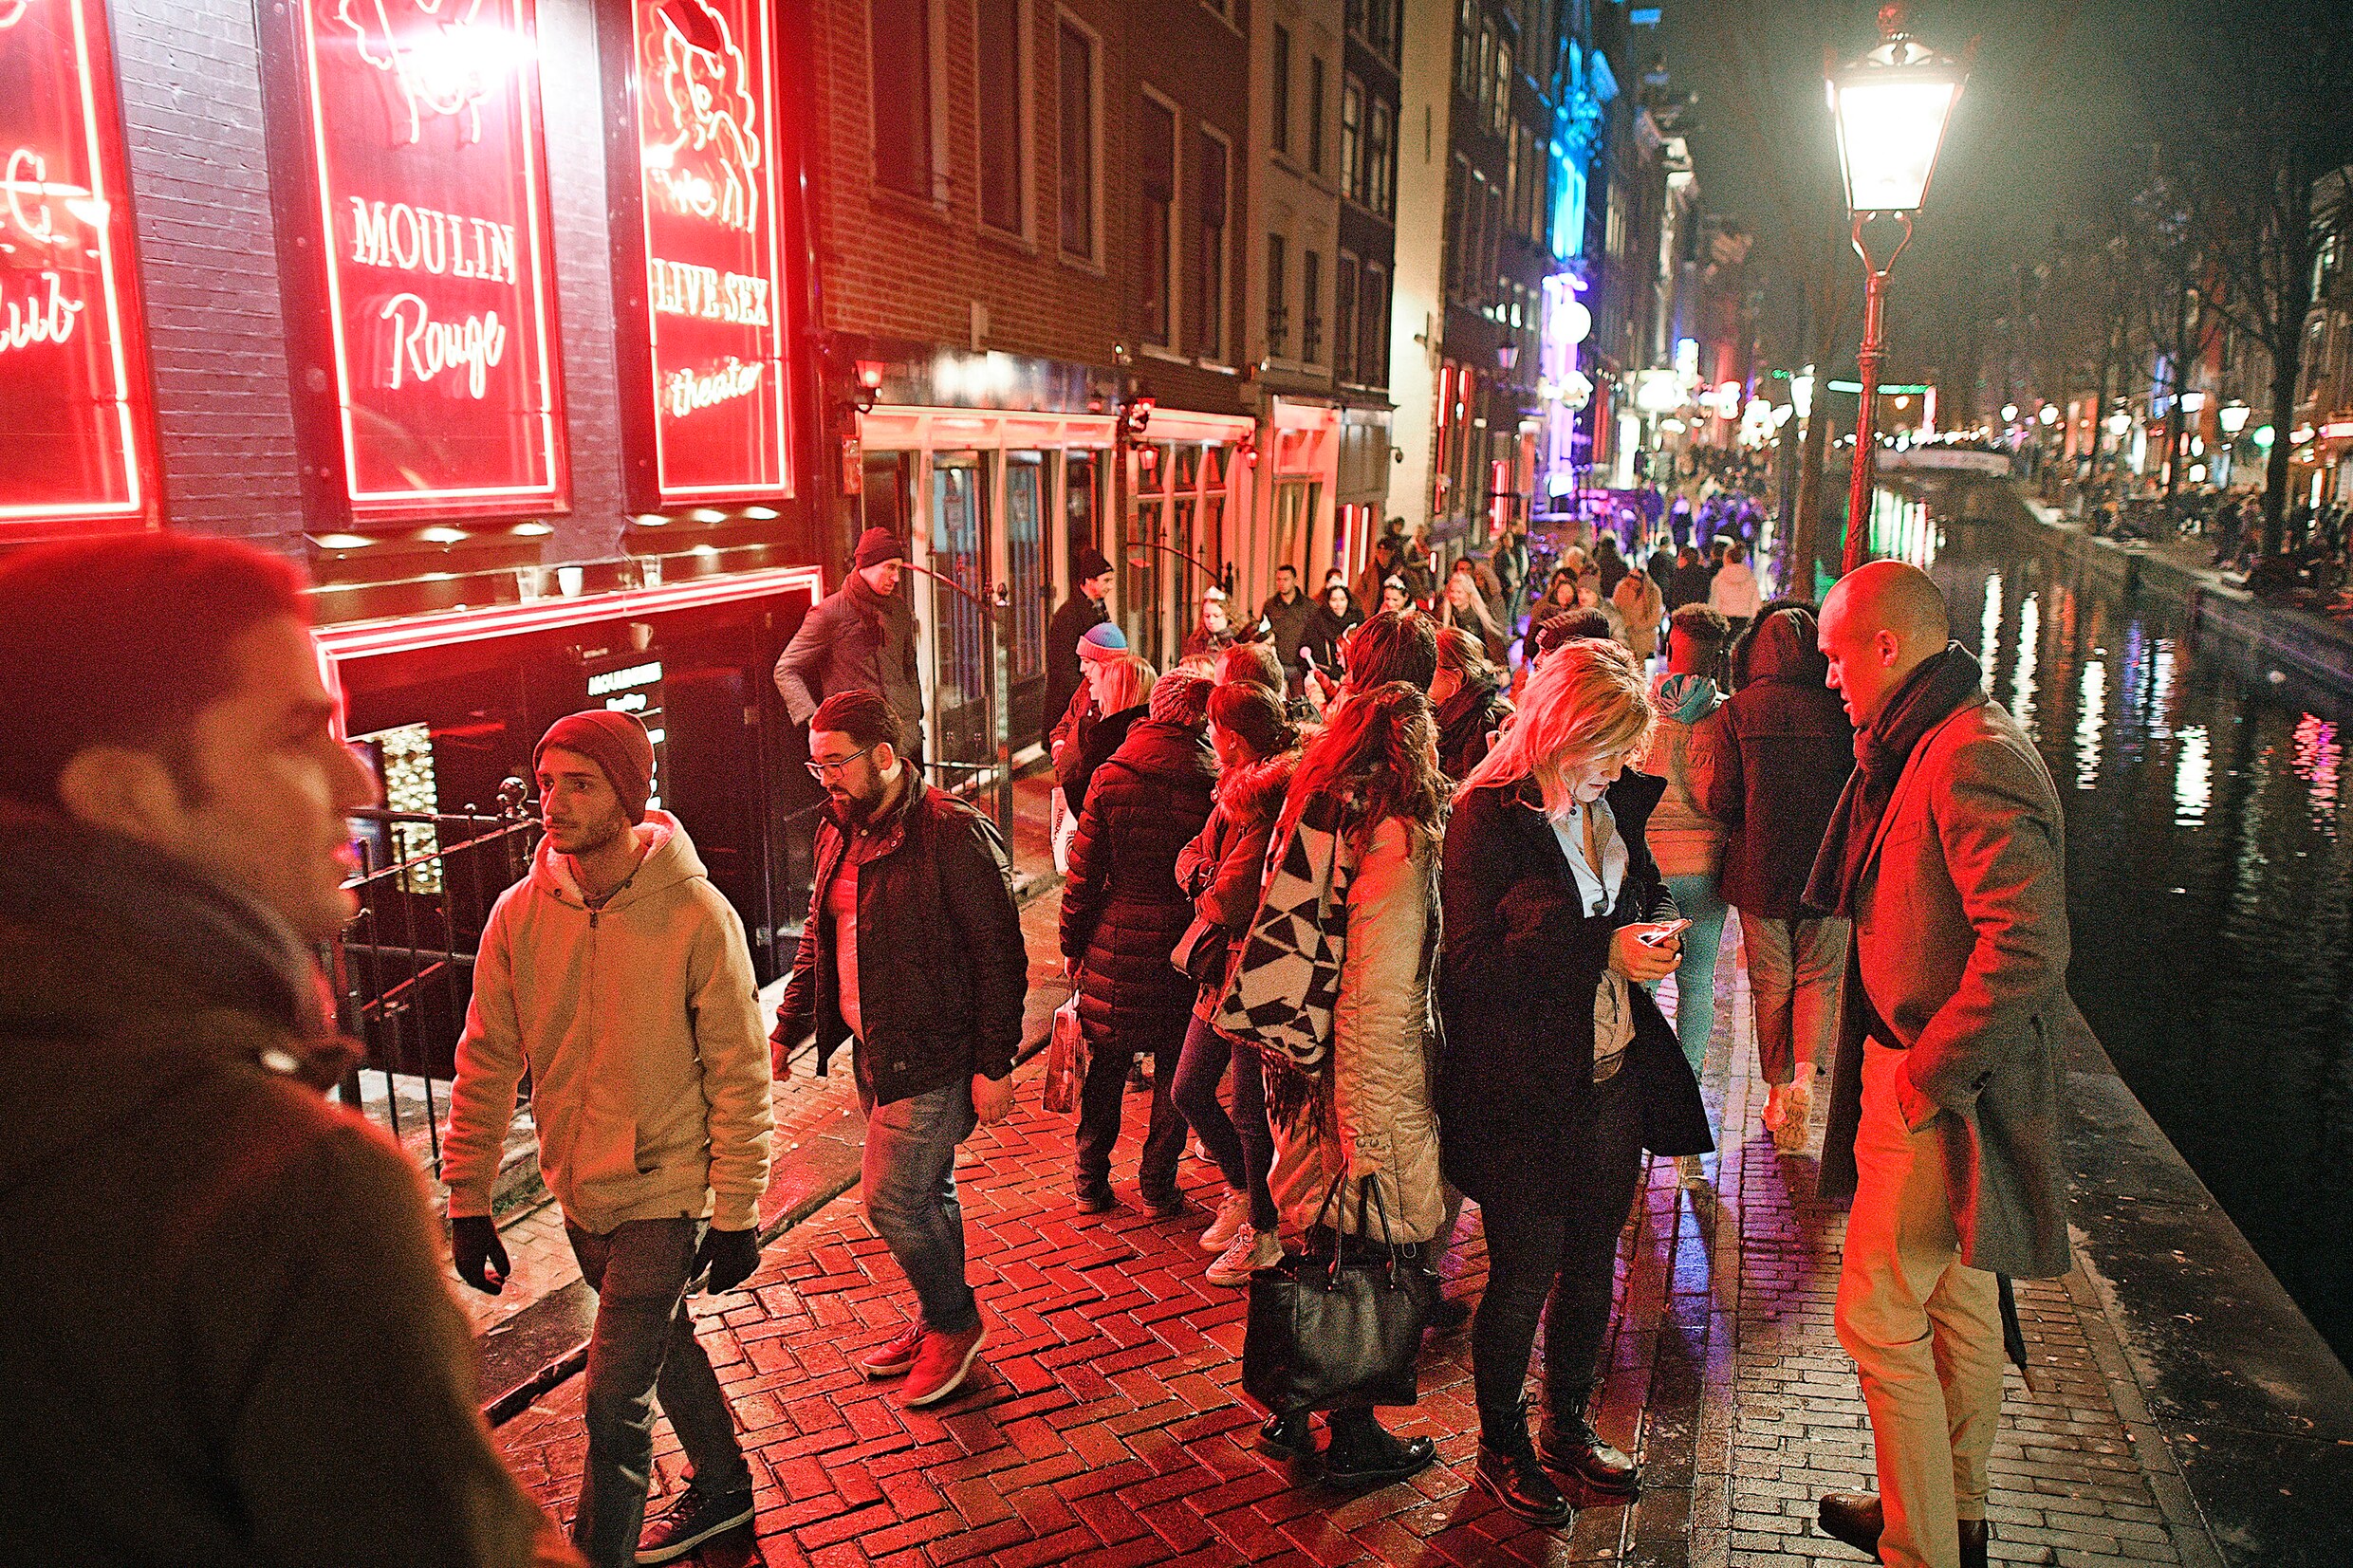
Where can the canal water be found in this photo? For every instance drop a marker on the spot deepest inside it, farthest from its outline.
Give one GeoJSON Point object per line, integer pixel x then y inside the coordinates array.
{"type": "Point", "coordinates": [2209, 870]}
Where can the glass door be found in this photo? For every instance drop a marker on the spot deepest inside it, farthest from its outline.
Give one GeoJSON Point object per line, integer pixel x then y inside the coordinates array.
{"type": "Point", "coordinates": [1030, 583]}
{"type": "Point", "coordinates": [960, 553]}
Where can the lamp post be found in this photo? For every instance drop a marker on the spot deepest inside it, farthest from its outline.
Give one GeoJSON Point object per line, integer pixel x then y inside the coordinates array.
{"type": "Point", "coordinates": [1890, 109]}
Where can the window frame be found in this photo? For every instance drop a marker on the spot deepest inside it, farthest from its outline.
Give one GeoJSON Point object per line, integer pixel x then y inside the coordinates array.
{"type": "Point", "coordinates": [1024, 128]}
{"type": "Point", "coordinates": [1347, 271]}
{"type": "Point", "coordinates": [935, 110]}
{"type": "Point", "coordinates": [1066, 25]}
{"type": "Point", "coordinates": [1279, 78]}
{"type": "Point", "coordinates": [1171, 248]}
{"type": "Point", "coordinates": [1315, 114]}
{"type": "Point", "coordinates": [1278, 324]}
{"type": "Point", "coordinates": [1217, 350]}
{"type": "Point", "coordinates": [1352, 139]}
{"type": "Point", "coordinates": [1311, 307]}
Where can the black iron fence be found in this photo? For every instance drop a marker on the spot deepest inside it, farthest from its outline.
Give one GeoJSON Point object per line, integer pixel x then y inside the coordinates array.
{"type": "Point", "coordinates": [403, 969]}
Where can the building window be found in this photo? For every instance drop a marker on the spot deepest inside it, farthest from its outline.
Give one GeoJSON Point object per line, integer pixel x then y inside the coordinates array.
{"type": "Point", "coordinates": [1502, 120]}
{"type": "Point", "coordinates": [1315, 116]}
{"type": "Point", "coordinates": [1311, 307]}
{"type": "Point", "coordinates": [1209, 295]}
{"type": "Point", "coordinates": [1468, 71]}
{"type": "Point", "coordinates": [1278, 302]}
{"type": "Point", "coordinates": [1156, 139]}
{"type": "Point", "coordinates": [1351, 138]}
{"type": "Point", "coordinates": [1380, 159]}
{"type": "Point", "coordinates": [1372, 354]}
{"type": "Point", "coordinates": [1078, 143]}
{"type": "Point", "coordinates": [1343, 319]}
{"type": "Point", "coordinates": [1483, 84]}
{"type": "Point", "coordinates": [1457, 218]}
{"type": "Point", "coordinates": [1003, 64]}
{"type": "Point", "coordinates": [902, 96]}
{"type": "Point", "coordinates": [1279, 115]}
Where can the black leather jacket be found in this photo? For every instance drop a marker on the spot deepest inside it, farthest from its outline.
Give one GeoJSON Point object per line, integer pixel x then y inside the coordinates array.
{"type": "Point", "coordinates": [940, 983]}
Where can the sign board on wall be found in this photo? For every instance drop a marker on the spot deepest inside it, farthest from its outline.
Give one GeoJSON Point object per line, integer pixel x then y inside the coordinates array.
{"type": "Point", "coordinates": [73, 366]}
{"type": "Point", "coordinates": [430, 172]}
{"type": "Point", "coordinates": [710, 331]}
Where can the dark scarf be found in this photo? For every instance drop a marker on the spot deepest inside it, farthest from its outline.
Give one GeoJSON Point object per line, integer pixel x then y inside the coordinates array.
{"type": "Point", "coordinates": [1927, 697]}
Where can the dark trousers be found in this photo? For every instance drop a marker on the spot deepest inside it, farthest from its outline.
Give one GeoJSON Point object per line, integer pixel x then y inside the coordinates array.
{"type": "Point", "coordinates": [1241, 1144]}
{"type": "Point", "coordinates": [644, 1344]}
{"type": "Point", "coordinates": [1099, 1096]}
{"type": "Point", "coordinates": [1563, 1256]}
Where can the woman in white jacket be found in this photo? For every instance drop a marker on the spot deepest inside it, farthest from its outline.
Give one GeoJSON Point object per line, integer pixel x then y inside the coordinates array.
{"type": "Point", "coordinates": [1734, 594]}
{"type": "Point", "coordinates": [1369, 1114]}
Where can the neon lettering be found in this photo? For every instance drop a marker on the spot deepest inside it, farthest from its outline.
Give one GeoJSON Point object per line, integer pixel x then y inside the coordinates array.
{"type": "Point", "coordinates": [686, 391]}
{"type": "Point", "coordinates": [38, 319]}
{"type": "Point", "coordinates": [419, 239]}
{"type": "Point", "coordinates": [441, 59]}
{"type": "Point", "coordinates": [706, 94]}
{"type": "Point", "coordinates": [422, 348]}
{"type": "Point", "coordinates": [684, 289]}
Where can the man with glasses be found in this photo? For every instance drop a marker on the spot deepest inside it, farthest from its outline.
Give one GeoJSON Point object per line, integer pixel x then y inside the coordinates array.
{"type": "Point", "coordinates": [913, 953]}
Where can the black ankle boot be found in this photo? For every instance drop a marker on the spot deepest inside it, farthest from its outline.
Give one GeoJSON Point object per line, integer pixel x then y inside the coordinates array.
{"type": "Point", "coordinates": [1569, 1445]}
{"type": "Point", "coordinates": [1288, 1435]}
{"type": "Point", "coordinates": [1509, 1471]}
{"type": "Point", "coordinates": [1365, 1454]}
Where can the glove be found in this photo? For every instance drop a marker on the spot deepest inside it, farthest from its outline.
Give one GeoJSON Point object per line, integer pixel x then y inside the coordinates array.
{"type": "Point", "coordinates": [473, 1242]}
{"type": "Point", "coordinates": [731, 1256]}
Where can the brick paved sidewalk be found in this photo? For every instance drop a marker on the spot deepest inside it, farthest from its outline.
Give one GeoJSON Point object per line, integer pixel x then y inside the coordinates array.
{"type": "Point", "coordinates": [1107, 1427]}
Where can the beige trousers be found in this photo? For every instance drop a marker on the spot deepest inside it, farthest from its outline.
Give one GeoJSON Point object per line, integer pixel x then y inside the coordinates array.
{"type": "Point", "coordinates": [1925, 1332]}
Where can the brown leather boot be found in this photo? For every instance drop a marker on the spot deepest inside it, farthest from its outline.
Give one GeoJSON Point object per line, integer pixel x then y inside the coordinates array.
{"type": "Point", "coordinates": [1857, 1519]}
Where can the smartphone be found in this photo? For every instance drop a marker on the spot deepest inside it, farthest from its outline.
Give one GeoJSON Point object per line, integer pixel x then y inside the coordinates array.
{"type": "Point", "coordinates": [1663, 935]}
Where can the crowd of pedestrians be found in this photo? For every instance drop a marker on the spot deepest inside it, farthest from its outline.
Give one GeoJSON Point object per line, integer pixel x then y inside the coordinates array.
{"type": "Point", "coordinates": [1385, 917]}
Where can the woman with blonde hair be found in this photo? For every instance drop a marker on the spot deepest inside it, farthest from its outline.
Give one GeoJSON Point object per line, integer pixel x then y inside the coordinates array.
{"type": "Point", "coordinates": [1464, 605]}
{"type": "Point", "coordinates": [1119, 689]}
{"type": "Point", "coordinates": [1558, 1067]}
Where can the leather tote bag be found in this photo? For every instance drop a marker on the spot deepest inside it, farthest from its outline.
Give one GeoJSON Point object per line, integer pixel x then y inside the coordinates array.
{"type": "Point", "coordinates": [1344, 1330]}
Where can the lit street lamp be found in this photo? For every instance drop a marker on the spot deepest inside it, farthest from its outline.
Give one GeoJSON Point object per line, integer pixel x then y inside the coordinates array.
{"type": "Point", "coordinates": [1890, 108]}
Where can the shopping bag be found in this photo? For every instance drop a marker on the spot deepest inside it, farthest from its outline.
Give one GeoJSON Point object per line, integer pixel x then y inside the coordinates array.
{"type": "Point", "coordinates": [1065, 1058]}
{"type": "Point", "coordinates": [1343, 1330]}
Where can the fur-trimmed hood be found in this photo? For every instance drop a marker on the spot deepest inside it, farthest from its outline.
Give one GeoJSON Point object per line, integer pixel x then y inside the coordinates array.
{"type": "Point", "coordinates": [1252, 795]}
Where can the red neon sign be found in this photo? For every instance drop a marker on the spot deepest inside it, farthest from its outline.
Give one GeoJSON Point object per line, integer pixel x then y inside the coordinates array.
{"type": "Point", "coordinates": [706, 144]}
{"type": "Point", "coordinates": [72, 361]}
{"type": "Point", "coordinates": [432, 183]}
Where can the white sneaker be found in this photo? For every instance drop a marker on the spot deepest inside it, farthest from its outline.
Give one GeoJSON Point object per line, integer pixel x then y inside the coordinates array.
{"type": "Point", "coordinates": [1776, 1108]}
{"type": "Point", "coordinates": [1233, 1219]}
{"type": "Point", "coordinates": [1249, 1251]}
{"type": "Point", "coordinates": [1797, 1109]}
{"type": "Point", "coordinates": [1691, 1173]}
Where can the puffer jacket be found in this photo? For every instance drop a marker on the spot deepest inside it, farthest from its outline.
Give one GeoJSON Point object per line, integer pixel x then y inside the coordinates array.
{"type": "Point", "coordinates": [1522, 963]}
{"type": "Point", "coordinates": [227, 1343]}
{"type": "Point", "coordinates": [1683, 838]}
{"type": "Point", "coordinates": [1638, 599]}
{"type": "Point", "coordinates": [1224, 868]}
{"type": "Point", "coordinates": [856, 639]}
{"type": "Point", "coordinates": [1384, 1120]}
{"type": "Point", "coordinates": [1094, 737]}
{"type": "Point", "coordinates": [1122, 912]}
{"type": "Point", "coordinates": [1778, 754]}
{"type": "Point", "coordinates": [640, 1026]}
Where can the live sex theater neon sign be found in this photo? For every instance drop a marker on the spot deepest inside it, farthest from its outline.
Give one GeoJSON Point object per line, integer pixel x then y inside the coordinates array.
{"type": "Point", "coordinates": [72, 366]}
{"type": "Point", "coordinates": [704, 85]}
{"type": "Point", "coordinates": [431, 175]}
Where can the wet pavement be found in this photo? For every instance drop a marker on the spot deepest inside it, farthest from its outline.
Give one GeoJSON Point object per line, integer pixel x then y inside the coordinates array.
{"type": "Point", "coordinates": [1107, 1427]}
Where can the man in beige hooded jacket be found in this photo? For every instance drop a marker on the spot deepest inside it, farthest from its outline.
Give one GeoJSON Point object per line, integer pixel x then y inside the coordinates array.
{"type": "Point", "coordinates": [620, 977]}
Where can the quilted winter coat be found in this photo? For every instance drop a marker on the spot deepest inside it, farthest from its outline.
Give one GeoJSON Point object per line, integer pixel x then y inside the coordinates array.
{"type": "Point", "coordinates": [1384, 1053]}
{"type": "Point", "coordinates": [1121, 910]}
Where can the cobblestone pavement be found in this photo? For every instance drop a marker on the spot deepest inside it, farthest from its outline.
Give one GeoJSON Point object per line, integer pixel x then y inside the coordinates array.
{"type": "Point", "coordinates": [1106, 1426]}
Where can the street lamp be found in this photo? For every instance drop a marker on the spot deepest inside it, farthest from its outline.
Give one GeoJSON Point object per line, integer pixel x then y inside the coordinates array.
{"type": "Point", "coordinates": [1890, 109]}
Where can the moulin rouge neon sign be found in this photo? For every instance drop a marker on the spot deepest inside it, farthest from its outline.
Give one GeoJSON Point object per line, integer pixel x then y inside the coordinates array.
{"type": "Point", "coordinates": [705, 91]}
{"type": "Point", "coordinates": [71, 353]}
{"type": "Point", "coordinates": [424, 119]}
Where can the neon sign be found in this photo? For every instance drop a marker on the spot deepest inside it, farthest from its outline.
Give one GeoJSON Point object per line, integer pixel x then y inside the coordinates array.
{"type": "Point", "coordinates": [424, 121]}
{"type": "Point", "coordinates": [79, 439]}
{"type": "Point", "coordinates": [713, 344]}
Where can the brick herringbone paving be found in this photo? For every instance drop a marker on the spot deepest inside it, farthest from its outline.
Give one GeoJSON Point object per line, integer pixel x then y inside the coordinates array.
{"type": "Point", "coordinates": [1107, 1424]}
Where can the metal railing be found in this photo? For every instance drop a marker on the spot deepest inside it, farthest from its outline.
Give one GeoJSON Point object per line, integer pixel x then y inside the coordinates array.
{"type": "Point", "coordinates": [403, 968]}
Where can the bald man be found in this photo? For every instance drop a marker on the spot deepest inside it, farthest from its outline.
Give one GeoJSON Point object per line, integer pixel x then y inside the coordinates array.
{"type": "Point", "coordinates": [1947, 852]}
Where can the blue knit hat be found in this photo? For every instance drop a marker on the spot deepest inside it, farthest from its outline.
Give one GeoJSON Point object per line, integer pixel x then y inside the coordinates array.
{"type": "Point", "coordinates": [1103, 641]}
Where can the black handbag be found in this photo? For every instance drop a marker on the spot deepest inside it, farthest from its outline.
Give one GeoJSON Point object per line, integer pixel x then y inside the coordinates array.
{"type": "Point", "coordinates": [1338, 1331]}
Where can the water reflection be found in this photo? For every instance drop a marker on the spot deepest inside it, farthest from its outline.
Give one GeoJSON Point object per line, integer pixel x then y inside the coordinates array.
{"type": "Point", "coordinates": [2208, 887]}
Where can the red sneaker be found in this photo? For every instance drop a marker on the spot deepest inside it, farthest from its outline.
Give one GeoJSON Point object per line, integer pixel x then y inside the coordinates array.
{"type": "Point", "coordinates": [895, 1355]}
{"type": "Point", "coordinates": [940, 1364]}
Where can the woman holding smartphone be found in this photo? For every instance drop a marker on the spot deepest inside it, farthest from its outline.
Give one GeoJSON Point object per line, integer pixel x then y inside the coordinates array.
{"type": "Point", "coordinates": [1558, 1067]}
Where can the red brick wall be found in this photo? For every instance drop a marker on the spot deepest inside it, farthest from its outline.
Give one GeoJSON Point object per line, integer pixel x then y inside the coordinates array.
{"type": "Point", "coordinates": [894, 268]}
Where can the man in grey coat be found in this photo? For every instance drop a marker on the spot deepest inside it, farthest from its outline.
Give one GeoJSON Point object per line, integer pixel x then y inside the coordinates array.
{"type": "Point", "coordinates": [1947, 851]}
{"type": "Point", "coordinates": [860, 638]}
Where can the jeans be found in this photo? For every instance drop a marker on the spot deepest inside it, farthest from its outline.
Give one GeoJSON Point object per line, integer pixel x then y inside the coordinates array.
{"type": "Point", "coordinates": [644, 1345]}
{"type": "Point", "coordinates": [1099, 1096]}
{"type": "Point", "coordinates": [1925, 1331]}
{"type": "Point", "coordinates": [908, 1176]}
{"type": "Point", "coordinates": [1241, 1144]}
{"type": "Point", "coordinates": [1694, 977]}
{"type": "Point", "coordinates": [1568, 1255]}
{"type": "Point", "coordinates": [1794, 970]}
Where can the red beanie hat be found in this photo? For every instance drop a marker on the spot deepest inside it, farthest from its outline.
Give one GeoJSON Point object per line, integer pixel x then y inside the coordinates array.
{"type": "Point", "coordinates": [617, 743]}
